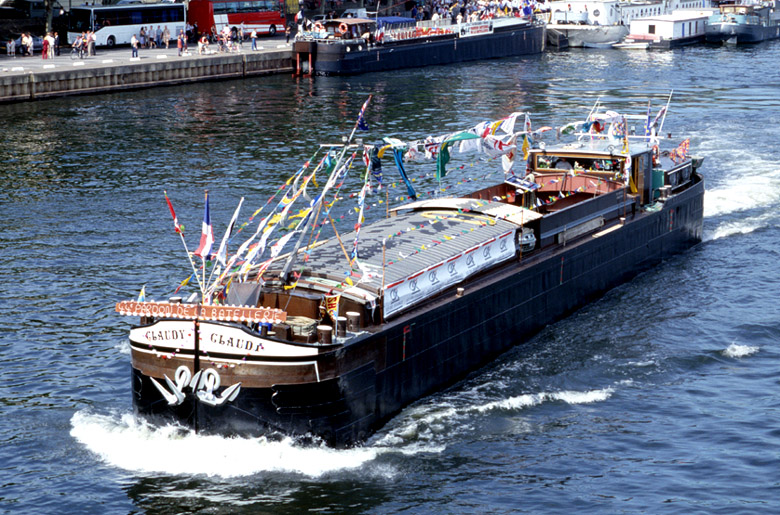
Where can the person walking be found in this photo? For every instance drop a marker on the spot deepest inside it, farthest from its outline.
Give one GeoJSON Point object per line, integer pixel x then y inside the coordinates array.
{"type": "Point", "coordinates": [134, 45]}
{"type": "Point", "coordinates": [166, 36]}
{"type": "Point", "coordinates": [45, 52]}
{"type": "Point", "coordinates": [56, 44]}
{"type": "Point", "coordinates": [253, 37]}
{"type": "Point", "coordinates": [180, 42]}
{"type": "Point", "coordinates": [91, 43]}
{"type": "Point", "coordinates": [287, 33]}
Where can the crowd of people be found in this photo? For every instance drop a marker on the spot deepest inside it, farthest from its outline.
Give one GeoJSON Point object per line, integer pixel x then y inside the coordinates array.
{"type": "Point", "coordinates": [154, 38]}
{"type": "Point", "coordinates": [26, 46]}
{"type": "Point", "coordinates": [473, 10]}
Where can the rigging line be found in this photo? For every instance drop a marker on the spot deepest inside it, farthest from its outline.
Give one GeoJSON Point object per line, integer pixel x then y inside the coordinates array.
{"type": "Point", "coordinates": [319, 231]}
{"type": "Point", "coordinates": [261, 225]}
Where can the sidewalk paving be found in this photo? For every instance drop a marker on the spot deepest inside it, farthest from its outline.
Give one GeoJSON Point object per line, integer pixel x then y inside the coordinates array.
{"type": "Point", "coordinates": [122, 56]}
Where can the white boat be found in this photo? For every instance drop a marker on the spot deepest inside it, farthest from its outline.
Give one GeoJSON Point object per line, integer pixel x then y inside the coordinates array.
{"type": "Point", "coordinates": [603, 23]}
{"type": "Point", "coordinates": [680, 28]}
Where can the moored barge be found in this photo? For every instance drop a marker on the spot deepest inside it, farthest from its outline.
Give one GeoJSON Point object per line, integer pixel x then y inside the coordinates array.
{"type": "Point", "coordinates": [349, 46]}
{"type": "Point", "coordinates": [430, 293]}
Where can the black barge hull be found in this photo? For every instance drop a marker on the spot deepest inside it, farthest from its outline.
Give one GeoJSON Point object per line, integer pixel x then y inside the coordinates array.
{"type": "Point", "coordinates": [356, 57]}
{"type": "Point", "coordinates": [439, 343]}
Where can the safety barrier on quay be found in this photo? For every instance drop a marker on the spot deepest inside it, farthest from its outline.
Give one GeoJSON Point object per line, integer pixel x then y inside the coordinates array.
{"type": "Point", "coordinates": [137, 75]}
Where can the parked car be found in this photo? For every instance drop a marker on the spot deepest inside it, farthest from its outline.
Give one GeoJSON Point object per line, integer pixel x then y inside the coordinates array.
{"type": "Point", "coordinates": [37, 45]}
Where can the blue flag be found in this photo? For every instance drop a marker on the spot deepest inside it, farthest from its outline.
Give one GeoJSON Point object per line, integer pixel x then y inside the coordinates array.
{"type": "Point", "coordinates": [398, 155]}
{"type": "Point", "coordinates": [361, 123]}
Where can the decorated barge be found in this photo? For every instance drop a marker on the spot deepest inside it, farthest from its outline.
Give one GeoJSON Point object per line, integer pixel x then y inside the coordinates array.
{"type": "Point", "coordinates": [348, 46]}
{"type": "Point", "coordinates": [335, 337]}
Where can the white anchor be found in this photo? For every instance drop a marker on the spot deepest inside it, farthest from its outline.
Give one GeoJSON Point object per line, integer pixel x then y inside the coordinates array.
{"type": "Point", "coordinates": [182, 379]}
{"type": "Point", "coordinates": [209, 381]}
{"type": "Point", "coordinates": [203, 383]}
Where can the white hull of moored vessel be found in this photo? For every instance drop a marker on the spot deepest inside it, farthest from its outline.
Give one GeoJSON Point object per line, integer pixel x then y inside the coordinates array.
{"type": "Point", "coordinates": [591, 36]}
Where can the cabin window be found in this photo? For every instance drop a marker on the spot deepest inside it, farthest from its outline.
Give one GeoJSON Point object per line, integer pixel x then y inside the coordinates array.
{"type": "Point", "coordinates": [552, 162]}
{"type": "Point", "coordinates": [651, 29]}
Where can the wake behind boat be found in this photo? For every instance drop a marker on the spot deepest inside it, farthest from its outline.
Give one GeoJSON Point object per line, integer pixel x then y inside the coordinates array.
{"type": "Point", "coordinates": [335, 336]}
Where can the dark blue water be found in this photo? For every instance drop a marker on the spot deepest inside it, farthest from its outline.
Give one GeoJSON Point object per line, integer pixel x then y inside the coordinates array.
{"type": "Point", "coordinates": [664, 396]}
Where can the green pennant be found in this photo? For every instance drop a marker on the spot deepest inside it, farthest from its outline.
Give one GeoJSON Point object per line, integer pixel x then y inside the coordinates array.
{"type": "Point", "coordinates": [444, 153]}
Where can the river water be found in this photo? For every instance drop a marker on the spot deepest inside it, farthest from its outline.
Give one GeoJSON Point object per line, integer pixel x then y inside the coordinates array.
{"type": "Point", "coordinates": [663, 396]}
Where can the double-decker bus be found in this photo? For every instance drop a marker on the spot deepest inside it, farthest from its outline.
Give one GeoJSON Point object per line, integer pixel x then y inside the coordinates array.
{"type": "Point", "coordinates": [116, 24]}
{"type": "Point", "coordinates": [264, 16]}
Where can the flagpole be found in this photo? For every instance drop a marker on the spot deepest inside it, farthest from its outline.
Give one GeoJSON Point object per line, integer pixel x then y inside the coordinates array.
{"type": "Point", "coordinates": [328, 185]}
{"type": "Point", "coordinates": [186, 250]}
{"type": "Point", "coordinates": [224, 242]}
{"type": "Point", "coordinates": [355, 128]}
{"type": "Point", "coordinates": [660, 128]}
{"type": "Point", "coordinates": [203, 260]}
{"type": "Point", "coordinates": [381, 290]}
{"type": "Point", "coordinates": [343, 249]}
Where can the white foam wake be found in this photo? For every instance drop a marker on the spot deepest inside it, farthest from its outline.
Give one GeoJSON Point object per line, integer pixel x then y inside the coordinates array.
{"type": "Point", "coordinates": [739, 351]}
{"type": "Point", "coordinates": [123, 442]}
{"type": "Point", "coordinates": [741, 226]}
{"type": "Point", "coordinates": [743, 193]}
{"type": "Point", "coordinates": [533, 399]}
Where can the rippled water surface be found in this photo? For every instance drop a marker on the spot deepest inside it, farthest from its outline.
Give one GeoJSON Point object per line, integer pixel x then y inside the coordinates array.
{"type": "Point", "coordinates": [663, 396]}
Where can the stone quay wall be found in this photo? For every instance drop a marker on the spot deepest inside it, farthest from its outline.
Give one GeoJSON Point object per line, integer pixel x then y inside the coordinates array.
{"type": "Point", "coordinates": [35, 85]}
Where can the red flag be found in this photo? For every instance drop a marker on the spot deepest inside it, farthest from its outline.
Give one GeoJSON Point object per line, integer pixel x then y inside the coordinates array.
{"type": "Point", "coordinates": [178, 228]}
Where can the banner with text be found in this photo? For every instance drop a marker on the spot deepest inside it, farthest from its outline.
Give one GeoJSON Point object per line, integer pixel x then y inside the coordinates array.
{"type": "Point", "coordinates": [421, 285]}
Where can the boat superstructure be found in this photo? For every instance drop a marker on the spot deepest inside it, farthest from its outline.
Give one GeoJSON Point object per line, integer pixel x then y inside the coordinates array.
{"type": "Point", "coordinates": [747, 21]}
{"type": "Point", "coordinates": [601, 24]}
{"type": "Point", "coordinates": [680, 28]}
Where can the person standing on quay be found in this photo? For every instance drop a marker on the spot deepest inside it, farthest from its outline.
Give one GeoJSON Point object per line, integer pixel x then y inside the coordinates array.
{"type": "Point", "coordinates": [134, 45]}
{"type": "Point", "coordinates": [91, 43]}
{"type": "Point", "coordinates": [56, 44]}
{"type": "Point", "coordinates": [166, 36]}
{"type": "Point", "coordinates": [45, 52]}
{"type": "Point", "coordinates": [52, 44]}
{"type": "Point", "coordinates": [180, 42]}
{"type": "Point", "coordinates": [287, 33]}
{"type": "Point", "coordinates": [253, 37]}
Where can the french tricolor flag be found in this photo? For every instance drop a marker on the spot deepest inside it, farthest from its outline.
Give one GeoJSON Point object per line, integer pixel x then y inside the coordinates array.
{"type": "Point", "coordinates": [207, 234]}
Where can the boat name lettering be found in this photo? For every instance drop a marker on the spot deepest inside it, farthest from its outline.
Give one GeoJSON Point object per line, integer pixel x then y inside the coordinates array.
{"type": "Point", "coordinates": [238, 343]}
{"type": "Point", "coordinates": [192, 311]}
{"type": "Point", "coordinates": [173, 334]}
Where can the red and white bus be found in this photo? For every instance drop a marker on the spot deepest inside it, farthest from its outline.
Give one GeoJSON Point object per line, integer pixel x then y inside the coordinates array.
{"type": "Point", "coordinates": [264, 16]}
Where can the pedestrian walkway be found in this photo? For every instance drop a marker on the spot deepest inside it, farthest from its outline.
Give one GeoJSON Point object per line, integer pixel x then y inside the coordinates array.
{"type": "Point", "coordinates": [122, 56]}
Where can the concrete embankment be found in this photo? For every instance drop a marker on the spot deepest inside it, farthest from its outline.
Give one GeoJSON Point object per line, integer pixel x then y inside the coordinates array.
{"type": "Point", "coordinates": [33, 78]}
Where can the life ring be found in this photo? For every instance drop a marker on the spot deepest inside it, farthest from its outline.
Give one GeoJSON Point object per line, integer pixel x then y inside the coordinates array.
{"type": "Point", "coordinates": [319, 27]}
{"type": "Point", "coordinates": [343, 28]}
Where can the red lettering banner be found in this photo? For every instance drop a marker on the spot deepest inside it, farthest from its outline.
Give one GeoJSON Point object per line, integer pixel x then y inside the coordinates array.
{"type": "Point", "coordinates": [201, 311]}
